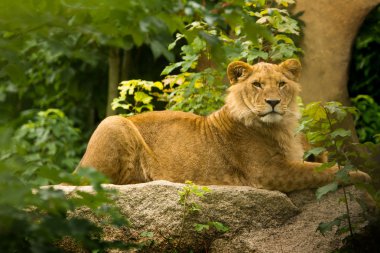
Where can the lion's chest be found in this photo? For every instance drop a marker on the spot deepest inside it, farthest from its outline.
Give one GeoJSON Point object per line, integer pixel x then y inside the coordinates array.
{"type": "Point", "coordinates": [255, 150]}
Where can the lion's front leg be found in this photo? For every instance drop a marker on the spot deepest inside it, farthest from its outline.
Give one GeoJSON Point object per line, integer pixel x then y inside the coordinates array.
{"type": "Point", "coordinates": [291, 176]}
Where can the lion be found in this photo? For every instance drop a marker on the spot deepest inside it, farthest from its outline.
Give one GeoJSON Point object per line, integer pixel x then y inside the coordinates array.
{"type": "Point", "coordinates": [250, 141]}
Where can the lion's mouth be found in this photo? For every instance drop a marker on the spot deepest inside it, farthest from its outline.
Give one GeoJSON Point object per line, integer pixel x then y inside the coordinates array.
{"type": "Point", "coordinates": [273, 112]}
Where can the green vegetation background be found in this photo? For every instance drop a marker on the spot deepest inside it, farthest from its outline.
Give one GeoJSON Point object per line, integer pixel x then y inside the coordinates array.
{"type": "Point", "coordinates": [60, 60]}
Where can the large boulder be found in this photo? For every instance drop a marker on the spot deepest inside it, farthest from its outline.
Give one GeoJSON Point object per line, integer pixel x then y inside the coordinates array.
{"type": "Point", "coordinates": [258, 220]}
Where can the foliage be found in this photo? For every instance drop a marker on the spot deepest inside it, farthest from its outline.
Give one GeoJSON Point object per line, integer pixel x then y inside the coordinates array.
{"type": "Point", "coordinates": [252, 31]}
{"type": "Point", "coordinates": [364, 70]}
{"type": "Point", "coordinates": [48, 142]}
{"type": "Point", "coordinates": [186, 195]}
{"type": "Point", "coordinates": [93, 22]}
{"type": "Point", "coordinates": [137, 96]}
{"type": "Point", "coordinates": [219, 227]}
{"type": "Point", "coordinates": [364, 77]}
{"type": "Point", "coordinates": [363, 242]}
{"type": "Point", "coordinates": [367, 121]}
{"type": "Point", "coordinates": [54, 78]}
{"type": "Point", "coordinates": [36, 219]}
{"type": "Point", "coordinates": [54, 53]}
{"type": "Point", "coordinates": [189, 196]}
{"type": "Point", "coordinates": [320, 123]}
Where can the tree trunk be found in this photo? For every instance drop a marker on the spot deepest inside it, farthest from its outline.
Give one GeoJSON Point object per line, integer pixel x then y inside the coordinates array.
{"type": "Point", "coordinates": [119, 65]}
{"type": "Point", "coordinates": [330, 30]}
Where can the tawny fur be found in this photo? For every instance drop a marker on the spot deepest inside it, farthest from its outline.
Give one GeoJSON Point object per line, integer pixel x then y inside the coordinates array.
{"type": "Point", "coordinates": [247, 142]}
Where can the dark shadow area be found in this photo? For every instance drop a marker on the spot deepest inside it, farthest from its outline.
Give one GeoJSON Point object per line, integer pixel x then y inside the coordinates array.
{"type": "Point", "coordinates": [364, 78]}
{"type": "Point", "coordinates": [363, 87]}
{"type": "Point", "coordinates": [364, 73]}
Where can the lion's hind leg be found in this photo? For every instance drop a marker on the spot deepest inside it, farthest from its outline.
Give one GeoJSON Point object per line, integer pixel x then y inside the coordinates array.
{"type": "Point", "coordinates": [117, 149]}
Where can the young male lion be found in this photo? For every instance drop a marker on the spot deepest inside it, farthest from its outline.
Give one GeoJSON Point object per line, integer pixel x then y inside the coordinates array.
{"type": "Point", "coordinates": [249, 141]}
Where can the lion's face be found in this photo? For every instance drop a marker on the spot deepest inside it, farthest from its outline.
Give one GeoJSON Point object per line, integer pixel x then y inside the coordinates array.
{"type": "Point", "coordinates": [263, 91]}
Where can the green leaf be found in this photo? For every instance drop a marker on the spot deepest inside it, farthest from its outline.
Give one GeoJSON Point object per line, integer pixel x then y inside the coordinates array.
{"type": "Point", "coordinates": [325, 166]}
{"type": "Point", "coordinates": [201, 227]}
{"type": "Point", "coordinates": [343, 174]}
{"type": "Point", "coordinates": [220, 227]}
{"type": "Point", "coordinates": [325, 227]}
{"type": "Point", "coordinates": [173, 44]}
{"type": "Point", "coordinates": [316, 137]}
{"type": "Point", "coordinates": [142, 97]}
{"type": "Point", "coordinates": [254, 31]}
{"type": "Point", "coordinates": [158, 85]}
{"type": "Point", "coordinates": [194, 207]}
{"type": "Point", "coordinates": [341, 133]}
{"type": "Point", "coordinates": [332, 187]}
{"type": "Point", "coordinates": [315, 111]}
{"type": "Point", "coordinates": [314, 151]}
{"type": "Point", "coordinates": [168, 69]}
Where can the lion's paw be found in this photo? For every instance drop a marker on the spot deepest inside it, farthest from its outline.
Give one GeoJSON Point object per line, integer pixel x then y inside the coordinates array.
{"type": "Point", "coordinates": [359, 177]}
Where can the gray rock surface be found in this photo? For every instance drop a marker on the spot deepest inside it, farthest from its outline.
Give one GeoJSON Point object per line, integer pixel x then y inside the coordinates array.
{"type": "Point", "coordinates": [259, 220]}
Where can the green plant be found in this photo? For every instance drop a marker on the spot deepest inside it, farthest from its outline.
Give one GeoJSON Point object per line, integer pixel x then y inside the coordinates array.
{"type": "Point", "coordinates": [48, 142]}
{"type": "Point", "coordinates": [189, 204]}
{"type": "Point", "coordinates": [219, 227]}
{"type": "Point", "coordinates": [40, 219]}
{"type": "Point", "coordinates": [251, 30]}
{"type": "Point", "coordinates": [320, 123]}
{"type": "Point", "coordinates": [137, 96]}
{"type": "Point", "coordinates": [189, 196]}
{"type": "Point", "coordinates": [367, 120]}
{"type": "Point", "coordinates": [187, 200]}
{"type": "Point", "coordinates": [364, 76]}
{"type": "Point", "coordinates": [54, 53]}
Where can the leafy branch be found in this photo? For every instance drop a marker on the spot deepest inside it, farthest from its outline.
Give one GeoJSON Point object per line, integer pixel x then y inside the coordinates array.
{"type": "Point", "coordinates": [320, 123]}
{"type": "Point", "coordinates": [189, 195]}
{"type": "Point", "coordinates": [251, 31]}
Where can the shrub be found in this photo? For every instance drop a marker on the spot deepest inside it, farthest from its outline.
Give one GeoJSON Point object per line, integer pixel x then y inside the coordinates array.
{"type": "Point", "coordinates": [36, 219]}
{"type": "Point", "coordinates": [367, 120]}
{"type": "Point", "coordinates": [320, 123]}
{"type": "Point", "coordinates": [253, 31]}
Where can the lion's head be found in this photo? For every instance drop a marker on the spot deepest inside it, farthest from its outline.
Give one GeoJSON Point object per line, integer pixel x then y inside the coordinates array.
{"type": "Point", "coordinates": [264, 92]}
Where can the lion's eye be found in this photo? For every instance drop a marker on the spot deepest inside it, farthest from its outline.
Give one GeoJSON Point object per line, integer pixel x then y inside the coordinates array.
{"type": "Point", "coordinates": [281, 84]}
{"type": "Point", "coordinates": [257, 84]}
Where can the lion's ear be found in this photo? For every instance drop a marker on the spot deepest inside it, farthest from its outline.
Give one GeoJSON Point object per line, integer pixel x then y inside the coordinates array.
{"type": "Point", "coordinates": [238, 71]}
{"type": "Point", "coordinates": [293, 66]}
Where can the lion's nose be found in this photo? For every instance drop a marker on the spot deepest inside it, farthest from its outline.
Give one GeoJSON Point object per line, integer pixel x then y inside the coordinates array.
{"type": "Point", "coordinates": [273, 102]}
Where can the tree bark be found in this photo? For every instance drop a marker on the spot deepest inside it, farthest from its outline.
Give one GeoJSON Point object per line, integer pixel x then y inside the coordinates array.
{"type": "Point", "coordinates": [119, 65]}
{"type": "Point", "coordinates": [330, 30]}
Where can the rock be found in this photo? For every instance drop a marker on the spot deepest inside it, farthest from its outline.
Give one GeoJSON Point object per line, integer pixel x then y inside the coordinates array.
{"type": "Point", "coordinates": [258, 220]}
